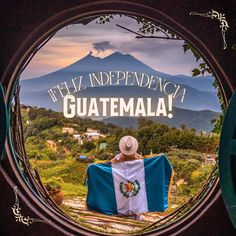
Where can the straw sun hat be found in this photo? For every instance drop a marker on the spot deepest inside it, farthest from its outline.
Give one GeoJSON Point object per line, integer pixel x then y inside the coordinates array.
{"type": "Point", "coordinates": [128, 145]}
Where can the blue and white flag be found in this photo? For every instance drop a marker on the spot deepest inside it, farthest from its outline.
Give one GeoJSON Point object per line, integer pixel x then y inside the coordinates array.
{"type": "Point", "coordinates": [129, 187]}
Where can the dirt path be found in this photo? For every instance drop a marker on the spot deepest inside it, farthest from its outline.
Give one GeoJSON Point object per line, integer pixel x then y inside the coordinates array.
{"type": "Point", "coordinates": [76, 208]}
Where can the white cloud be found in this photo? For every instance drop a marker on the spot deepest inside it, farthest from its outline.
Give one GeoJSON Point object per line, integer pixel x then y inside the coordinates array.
{"type": "Point", "coordinates": [74, 42]}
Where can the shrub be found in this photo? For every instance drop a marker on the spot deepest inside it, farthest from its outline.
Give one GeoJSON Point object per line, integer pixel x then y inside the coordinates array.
{"type": "Point", "coordinates": [88, 146]}
{"type": "Point", "coordinates": [184, 189]}
{"type": "Point", "coordinates": [52, 185]}
{"type": "Point", "coordinates": [105, 156]}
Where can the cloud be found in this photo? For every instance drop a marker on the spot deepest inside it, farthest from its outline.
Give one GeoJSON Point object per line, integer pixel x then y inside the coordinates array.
{"type": "Point", "coordinates": [72, 43]}
{"type": "Point", "coordinates": [103, 46]}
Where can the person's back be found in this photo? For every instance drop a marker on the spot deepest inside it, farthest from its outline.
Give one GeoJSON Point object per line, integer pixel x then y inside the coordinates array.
{"type": "Point", "coordinates": [129, 184]}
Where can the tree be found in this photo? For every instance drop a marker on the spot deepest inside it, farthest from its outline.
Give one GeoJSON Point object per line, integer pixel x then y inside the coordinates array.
{"type": "Point", "coordinates": [144, 122]}
{"type": "Point", "coordinates": [144, 134]}
{"type": "Point", "coordinates": [89, 146]}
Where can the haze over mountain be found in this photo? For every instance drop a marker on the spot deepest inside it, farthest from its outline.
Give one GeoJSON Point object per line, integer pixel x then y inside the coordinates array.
{"type": "Point", "coordinates": [199, 120]}
{"type": "Point", "coordinates": [200, 93]}
{"type": "Point", "coordinates": [115, 61]}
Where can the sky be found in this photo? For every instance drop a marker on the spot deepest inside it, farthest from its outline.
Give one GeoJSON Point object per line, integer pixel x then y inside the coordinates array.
{"type": "Point", "coordinates": [74, 42]}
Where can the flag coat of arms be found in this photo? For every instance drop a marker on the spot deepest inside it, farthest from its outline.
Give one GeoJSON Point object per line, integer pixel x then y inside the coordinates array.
{"type": "Point", "coordinates": [129, 187]}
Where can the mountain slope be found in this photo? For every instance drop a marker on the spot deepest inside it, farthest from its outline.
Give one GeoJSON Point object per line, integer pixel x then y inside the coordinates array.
{"type": "Point", "coordinates": [199, 120]}
{"type": "Point", "coordinates": [204, 97]}
{"type": "Point", "coordinates": [116, 61]}
{"type": "Point", "coordinates": [194, 99]}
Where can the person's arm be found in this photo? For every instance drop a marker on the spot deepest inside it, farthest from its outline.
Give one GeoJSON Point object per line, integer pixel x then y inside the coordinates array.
{"type": "Point", "coordinates": [113, 160]}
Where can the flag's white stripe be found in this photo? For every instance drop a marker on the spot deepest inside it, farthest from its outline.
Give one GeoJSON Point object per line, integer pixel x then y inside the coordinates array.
{"type": "Point", "coordinates": [122, 172]}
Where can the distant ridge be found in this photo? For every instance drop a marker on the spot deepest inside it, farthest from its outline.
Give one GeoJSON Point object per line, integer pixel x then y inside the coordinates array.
{"type": "Point", "coordinates": [200, 96]}
{"type": "Point", "coordinates": [199, 120]}
{"type": "Point", "coordinates": [115, 61]}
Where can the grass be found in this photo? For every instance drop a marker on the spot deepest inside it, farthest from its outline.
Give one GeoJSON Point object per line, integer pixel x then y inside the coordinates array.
{"type": "Point", "coordinates": [69, 173]}
{"type": "Point", "coordinates": [71, 190]}
{"type": "Point", "coordinates": [185, 154]}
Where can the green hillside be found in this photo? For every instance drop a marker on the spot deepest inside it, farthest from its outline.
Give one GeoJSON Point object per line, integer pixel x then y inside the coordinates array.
{"type": "Point", "coordinates": [56, 153]}
{"type": "Point", "coordinates": [199, 120]}
{"type": "Point", "coordinates": [68, 173]}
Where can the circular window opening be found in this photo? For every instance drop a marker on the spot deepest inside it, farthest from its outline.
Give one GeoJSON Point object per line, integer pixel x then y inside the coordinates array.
{"type": "Point", "coordinates": [103, 78]}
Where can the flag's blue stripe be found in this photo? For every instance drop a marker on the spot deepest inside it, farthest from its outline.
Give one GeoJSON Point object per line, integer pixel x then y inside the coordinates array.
{"type": "Point", "coordinates": [158, 172]}
{"type": "Point", "coordinates": [101, 193]}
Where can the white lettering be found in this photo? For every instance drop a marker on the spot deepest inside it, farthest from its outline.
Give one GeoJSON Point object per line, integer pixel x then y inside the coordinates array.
{"type": "Point", "coordinates": [69, 106]}
{"type": "Point", "coordinates": [114, 106]}
{"type": "Point", "coordinates": [140, 109]}
{"type": "Point", "coordinates": [161, 107]}
{"type": "Point", "coordinates": [93, 108]}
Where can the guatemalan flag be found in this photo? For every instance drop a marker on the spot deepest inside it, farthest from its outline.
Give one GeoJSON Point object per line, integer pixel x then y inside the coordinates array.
{"type": "Point", "coordinates": [129, 187]}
